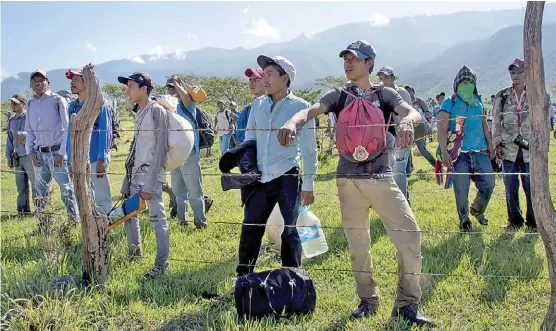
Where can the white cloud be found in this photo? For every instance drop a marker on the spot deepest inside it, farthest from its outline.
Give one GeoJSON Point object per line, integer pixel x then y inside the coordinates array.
{"type": "Point", "coordinates": [261, 28]}
{"type": "Point", "coordinates": [246, 9]}
{"type": "Point", "coordinates": [179, 54]}
{"type": "Point", "coordinates": [91, 47]}
{"type": "Point", "coordinates": [157, 53]}
{"type": "Point", "coordinates": [138, 59]}
{"type": "Point", "coordinates": [5, 74]}
{"type": "Point", "coordinates": [191, 36]}
{"type": "Point", "coordinates": [379, 20]}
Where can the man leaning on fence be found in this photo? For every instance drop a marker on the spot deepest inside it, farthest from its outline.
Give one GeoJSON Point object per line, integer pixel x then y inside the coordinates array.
{"type": "Point", "coordinates": [281, 182]}
{"type": "Point", "coordinates": [46, 126]}
{"type": "Point", "coordinates": [370, 184]}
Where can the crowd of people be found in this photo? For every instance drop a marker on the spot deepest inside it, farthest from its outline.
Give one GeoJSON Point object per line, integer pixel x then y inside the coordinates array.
{"type": "Point", "coordinates": [374, 158]}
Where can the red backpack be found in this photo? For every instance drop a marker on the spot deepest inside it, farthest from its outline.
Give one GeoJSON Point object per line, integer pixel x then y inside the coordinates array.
{"type": "Point", "coordinates": [361, 130]}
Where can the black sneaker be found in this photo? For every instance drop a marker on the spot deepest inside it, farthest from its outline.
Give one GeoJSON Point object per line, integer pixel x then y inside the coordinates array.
{"type": "Point", "coordinates": [466, 227]}
{"type": "Point", "coordinates": [481, 218]}
{"type": "Point", "coordinates": [200, 225]}
{"type": "Point", "coordinates": [154, 272]}
{"type": "Point", "coordinates": [412, 314]}
{"type": "Point", "coordinates": [365, 309]}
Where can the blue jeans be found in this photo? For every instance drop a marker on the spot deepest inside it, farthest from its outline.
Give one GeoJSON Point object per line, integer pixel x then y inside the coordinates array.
{"type": "Point", "coordinates": [158, 221]}
{"type": "Point", "coordinates": [400, 170]}
{"type": "Point", "coordinates": [101, 188]}
{"type": "Point", "coordinates": [284, 191]}
{"type": "Point", "coordinates": [422, 146]}
{"type": "Point", "coordinates": [225, 142]}
{"type": "Point", "coordinates": [25, 173]}
{"type": "Point", "coordinates": [43, 176]}
{"type": "Point", "coordinates": [187, 184]}
{"type": "Point", "coordinates": [515, 216]}
{"type": "Point", "coordinates": [475, 163]}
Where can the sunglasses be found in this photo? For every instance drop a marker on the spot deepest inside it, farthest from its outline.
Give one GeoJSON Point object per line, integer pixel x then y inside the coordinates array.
{"type": "Point", "coordinates": [516, 71]}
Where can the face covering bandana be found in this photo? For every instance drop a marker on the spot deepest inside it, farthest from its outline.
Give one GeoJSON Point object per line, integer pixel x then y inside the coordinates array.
{"type": "Point", "coordinates": [465, 92]}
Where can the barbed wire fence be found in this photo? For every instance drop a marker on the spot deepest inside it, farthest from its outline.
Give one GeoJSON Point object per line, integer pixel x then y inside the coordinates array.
{"type": "Point", "coordinates": [56, 241]}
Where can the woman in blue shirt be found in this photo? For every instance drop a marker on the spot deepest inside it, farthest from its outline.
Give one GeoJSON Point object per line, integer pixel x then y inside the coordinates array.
{"type": "Point", "coordinates": [469, 158]}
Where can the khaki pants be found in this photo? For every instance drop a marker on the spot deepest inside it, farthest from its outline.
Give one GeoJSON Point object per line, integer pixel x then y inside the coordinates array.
{"type": "Point", "coordinates": [384, 196]}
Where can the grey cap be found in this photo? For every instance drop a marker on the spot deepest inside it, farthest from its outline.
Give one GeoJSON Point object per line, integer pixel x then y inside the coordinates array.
{"type": "Point", "coordinates": [388, 71]}
{"type": "Point", "coordinates": [362, 49]}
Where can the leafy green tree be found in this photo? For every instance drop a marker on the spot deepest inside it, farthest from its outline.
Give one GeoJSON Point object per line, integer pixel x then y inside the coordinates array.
{"type": "Point", "coordinates": [331, 82]}
{"type": "Point", "coordinates": [309, 95]}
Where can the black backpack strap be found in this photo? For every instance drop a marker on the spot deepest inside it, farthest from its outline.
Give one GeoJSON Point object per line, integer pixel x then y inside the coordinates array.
{"type": "Point", "coordinates": [341, 103]}
{"type": "Point", "coordinates": [188, 114]}
{"type": "Point", "coordinates": [504, 99]}
{"type": "Point", "coordinates": [391, 110]}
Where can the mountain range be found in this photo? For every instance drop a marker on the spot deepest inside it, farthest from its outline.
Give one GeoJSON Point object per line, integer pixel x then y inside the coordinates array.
{"type": "Point", "coordinates": [425, 51]}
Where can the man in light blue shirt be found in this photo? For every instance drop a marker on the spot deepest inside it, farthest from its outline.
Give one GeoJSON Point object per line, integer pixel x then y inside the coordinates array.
{"type": "Point", "coordinates": [187, 182]}
{"type": "Point", "coordinates": [280, 182]}
{"type": "Point", "coordinates": [46, 126]}
{"type": "Point", "coordinates": [100, 143]}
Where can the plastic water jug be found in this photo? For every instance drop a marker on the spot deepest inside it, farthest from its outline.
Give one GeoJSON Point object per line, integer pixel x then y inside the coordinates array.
{"type": "Point", "coordinates": [274, 228]}
{"type": "Point", "coordinates": [311, 234]}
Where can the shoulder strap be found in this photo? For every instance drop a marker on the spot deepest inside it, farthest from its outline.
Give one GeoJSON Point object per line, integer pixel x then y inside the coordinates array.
{"type": "Point", "coordinates": [383, 107]}
{"type": "Point", "coordinates": [381, 100]}
{"type": "Point", "coordinates": [504, 99]}
{"type": "Point", "coordinates": [341, 102]}
{"type": "Point", "coordinates": [188, 114]}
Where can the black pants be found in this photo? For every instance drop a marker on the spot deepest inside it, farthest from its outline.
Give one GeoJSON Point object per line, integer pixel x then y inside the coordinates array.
{"type": "Point", "coordinates": [284, 190]}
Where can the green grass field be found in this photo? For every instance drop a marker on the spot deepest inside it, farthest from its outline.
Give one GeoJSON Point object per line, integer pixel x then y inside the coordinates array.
{"type": "Point", "coordinates": [463, 295]}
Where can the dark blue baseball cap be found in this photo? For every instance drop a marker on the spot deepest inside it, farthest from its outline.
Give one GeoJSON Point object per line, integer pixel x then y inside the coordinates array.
{"type": "Point", "coordinates": [361, 49]}
{"type": "Point", "coordinates": [142, 78]}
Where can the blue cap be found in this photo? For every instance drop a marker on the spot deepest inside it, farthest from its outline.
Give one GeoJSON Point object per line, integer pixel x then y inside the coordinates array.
{"type": "Point", "coordinates": [361, 49]}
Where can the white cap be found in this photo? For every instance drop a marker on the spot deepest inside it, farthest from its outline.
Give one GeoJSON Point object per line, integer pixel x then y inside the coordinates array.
{"type": "Point", "coordinates": [284, 63]}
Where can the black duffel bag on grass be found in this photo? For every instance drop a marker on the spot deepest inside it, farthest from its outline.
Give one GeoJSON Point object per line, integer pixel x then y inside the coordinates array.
{"type": "Point", "coordinates": [280, 292]}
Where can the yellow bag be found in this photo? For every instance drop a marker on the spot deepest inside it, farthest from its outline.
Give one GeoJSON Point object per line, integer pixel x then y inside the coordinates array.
{"type": "Point", "coordinates": [197, 93]}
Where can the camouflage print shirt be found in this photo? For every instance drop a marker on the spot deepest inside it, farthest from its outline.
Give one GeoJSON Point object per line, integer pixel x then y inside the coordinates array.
{"type": "Point", "coordinates": [505, 127]}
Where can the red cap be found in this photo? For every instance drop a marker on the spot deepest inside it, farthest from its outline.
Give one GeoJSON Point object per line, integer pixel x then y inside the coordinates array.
{"type": "Point", "coordinates": [70, 73]}
{"type": "Point", "coordinates": [257, 72]}
{"type": "Point", "coordinates": [39, 72]}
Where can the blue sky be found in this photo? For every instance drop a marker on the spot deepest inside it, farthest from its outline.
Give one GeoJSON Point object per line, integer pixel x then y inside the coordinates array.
{"type": "Point", "coordinates": [54, 35]}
